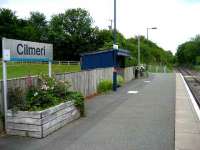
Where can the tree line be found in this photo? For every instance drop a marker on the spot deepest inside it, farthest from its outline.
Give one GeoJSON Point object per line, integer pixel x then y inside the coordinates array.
{"type": "Point", "coordinates": [73, 33]}
{"type": "Point", "coordinates": [188, 53]}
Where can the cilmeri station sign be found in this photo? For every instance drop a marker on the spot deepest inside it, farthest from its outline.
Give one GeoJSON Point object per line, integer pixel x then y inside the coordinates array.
{"type": "Point", "coordinates": [17, 50]}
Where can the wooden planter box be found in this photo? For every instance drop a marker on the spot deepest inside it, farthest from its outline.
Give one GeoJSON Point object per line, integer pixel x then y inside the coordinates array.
{"type": "Point", "coordinates": [39, 124]}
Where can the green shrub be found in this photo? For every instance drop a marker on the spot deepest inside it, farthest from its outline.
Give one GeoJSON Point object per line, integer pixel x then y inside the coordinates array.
{"type": "Point", "coordinates": [56, 88]}
{"type": "Point", "coordinates": [104, 86]}
{"type": "Point", "coordinates": [47, 94]}
{"type": "Point", "coordinates": [16, 99]}
{"type": "Point", "coordinates": [1, 122]}
{"type": "Point", "coordinates": [120, 80]}
{"type": "Point", "coordinates": [1, 117]}
{"type": "Point", "coordinates": [78, 100]}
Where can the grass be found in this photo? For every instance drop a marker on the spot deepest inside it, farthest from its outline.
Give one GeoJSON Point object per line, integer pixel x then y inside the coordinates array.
{"type": "Point", "coordinates": [197, 67]}
{"type": "Point", "coordinates": [15, 70]}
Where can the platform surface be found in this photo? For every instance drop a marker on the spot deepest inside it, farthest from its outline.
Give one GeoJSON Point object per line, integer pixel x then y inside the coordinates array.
{"type": "Point", "coordinates": [187, 128]}
{"type": "Point", "coordinates": [117, 121]}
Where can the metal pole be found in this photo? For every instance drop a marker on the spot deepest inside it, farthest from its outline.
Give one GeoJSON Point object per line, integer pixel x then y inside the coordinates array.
{"type": "Point", "coordinates": [147, 33]}
{"type": "Point", "coordinates": [5, 90]}
{"type": "Point", "coordinates": [115, 20]}
{"type": "Point", "coordinates": [138, 50]}
{"type": "Point", "coordinates": [50, 68]}
{"type": "Point", "coordinates": [114, 43]}
{"type": "Point", "coordinates": [111, 25]}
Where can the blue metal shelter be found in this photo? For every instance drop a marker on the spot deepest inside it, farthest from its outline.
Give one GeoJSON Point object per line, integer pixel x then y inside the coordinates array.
{"type": "Point", "coordinates": [104, 59]}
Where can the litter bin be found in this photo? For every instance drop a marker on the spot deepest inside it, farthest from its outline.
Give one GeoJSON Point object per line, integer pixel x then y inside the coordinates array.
{"type": "Point", "coordinates": [137, 72]}
{"type": "Point", "coordinates": [142, 71]}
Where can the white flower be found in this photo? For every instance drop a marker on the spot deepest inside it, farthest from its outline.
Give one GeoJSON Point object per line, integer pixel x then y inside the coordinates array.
{"type": "Point", "coordinates": [62, 81]}
{"type": "Point", "coordinates": [36, 93]}
{"type": "Point", "coordinates": [44, 87]}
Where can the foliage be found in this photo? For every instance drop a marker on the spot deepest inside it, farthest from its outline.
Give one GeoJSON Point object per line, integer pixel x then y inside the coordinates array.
{"type": "Point", "coordinates": [197, 60]}
{"type": "Point", "coordinates": [188, 53]}
{"type": "Point", "coordinates": [1, 122]}
{"type": "Point", "coordinates": [78, 100]}
{"type": "Point", "coordinates": [48, 93]}
{"type": "Point", "coordinates": [72, 33]}
{"type": "Point", "coordinates": [120, 80]}
{"type": "Point", "coordinates": [104, 86]}
{"type": "Point", "coordinates": [16, 99]}
{"type": "Point", "coordinates": [150, 52]}
{"type": "Point", "coordinates": [1, 117]}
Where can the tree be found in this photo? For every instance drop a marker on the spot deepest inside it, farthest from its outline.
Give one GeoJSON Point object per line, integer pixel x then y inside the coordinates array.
{"type": "Point", "coordinates": [188, 52]}
{"type": "Point", "coordinates": [73, 32]}
{"type": "Point", "coordinates": [36, 28]}
{"type": "Point", "coordinates": [8, 23]}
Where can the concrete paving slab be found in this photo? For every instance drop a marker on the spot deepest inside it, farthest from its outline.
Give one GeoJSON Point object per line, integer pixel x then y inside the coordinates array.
{"type": "Point", "coordinates": [187, 124]}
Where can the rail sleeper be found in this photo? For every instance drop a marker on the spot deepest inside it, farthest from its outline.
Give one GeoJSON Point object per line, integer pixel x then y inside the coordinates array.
{"type": "Point", "coordinates": [40, 124]}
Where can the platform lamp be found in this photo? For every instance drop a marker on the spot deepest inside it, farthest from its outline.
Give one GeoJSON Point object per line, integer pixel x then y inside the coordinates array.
{"type": "Point", "coordinates": [153, 28]}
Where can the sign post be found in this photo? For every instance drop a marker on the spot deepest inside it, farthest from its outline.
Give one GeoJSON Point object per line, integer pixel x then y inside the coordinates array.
{"type": "Point", "coordinates": [17, 50]}
{"type": "Point", "coordinates": [50, 69]}
{"type": "Point", "coordinates": [5, 89]}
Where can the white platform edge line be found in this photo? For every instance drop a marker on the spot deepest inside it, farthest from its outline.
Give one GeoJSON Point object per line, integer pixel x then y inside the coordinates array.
{"type": "Point", "coordinates": [196, 107]}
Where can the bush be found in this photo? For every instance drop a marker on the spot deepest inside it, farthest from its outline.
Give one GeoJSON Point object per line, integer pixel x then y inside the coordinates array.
{"type": "Point", "coordinates": [104, 86]}
{"type": "Point", "coordinates": [48, 94]}
{"type": "Point", "coordinates": [78, 100]}
{"type": "Point", "coordinates": [120, 80]}
{"type": "Point", "coordinates": [1, 122]}
{"type": "Point", "coordinates": [16, 99]}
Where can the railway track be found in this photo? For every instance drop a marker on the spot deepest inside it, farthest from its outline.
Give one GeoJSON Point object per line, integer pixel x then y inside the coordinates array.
{"type": "Point", "coordinates": [192, 78]}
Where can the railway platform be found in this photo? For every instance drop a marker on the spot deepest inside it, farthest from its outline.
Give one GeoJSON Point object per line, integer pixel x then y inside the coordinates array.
{"type": "Point", "coordinates": [122, 120]}
{"type": "Point", "coordinates": [187, 123]}
{"type": "Point", "coordinates": [146, 114]}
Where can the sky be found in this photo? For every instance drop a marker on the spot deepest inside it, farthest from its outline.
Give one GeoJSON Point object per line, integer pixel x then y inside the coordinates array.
{"type": "Point", "coordinates": [177, 20]}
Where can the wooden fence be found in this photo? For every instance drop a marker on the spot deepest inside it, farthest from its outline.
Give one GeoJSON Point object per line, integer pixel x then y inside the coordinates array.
{"type": "Point", "coordinates": [85, 81]}
{"type": "Point", "coordinates": [129, 74]}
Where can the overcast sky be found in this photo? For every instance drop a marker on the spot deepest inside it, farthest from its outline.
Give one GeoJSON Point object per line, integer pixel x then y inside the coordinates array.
{"type": "Point", "coordinates": [177, 20]}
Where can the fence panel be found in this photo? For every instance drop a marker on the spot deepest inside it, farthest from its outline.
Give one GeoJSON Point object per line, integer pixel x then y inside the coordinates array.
{"type": "Point", "coordinates": [129, 74]}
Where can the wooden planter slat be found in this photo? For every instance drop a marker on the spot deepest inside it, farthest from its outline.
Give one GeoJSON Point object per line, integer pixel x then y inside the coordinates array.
{"type": "Point", "coordinates": [49, 111]}
{"type": "Point", "coordinates": [24, 114]}
{"type": "Point", "coordinates": [24, 120]}
{"type": "Point", "coordinates": [42, 123]}
{"type": "Point", "coordinates": [60, 124]}
{"type": "Point", "coordinates": [24, 133]}
{"type": "Point", "coordinates": [55, 115]}
{"type": "Point", "coordinates": [26, 127]}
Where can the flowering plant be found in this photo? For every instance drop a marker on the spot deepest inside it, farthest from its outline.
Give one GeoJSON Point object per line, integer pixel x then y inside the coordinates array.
{"type": "Point", "coordinates": [50, 92]}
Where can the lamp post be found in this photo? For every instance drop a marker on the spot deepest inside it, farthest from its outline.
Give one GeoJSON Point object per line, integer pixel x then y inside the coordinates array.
{"type": "Point", "coordinates": [115, 20]}
{"type": "Point", "coordinates": [153, 28]}
{"type": "Point", "coordinates": [115, 46]}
